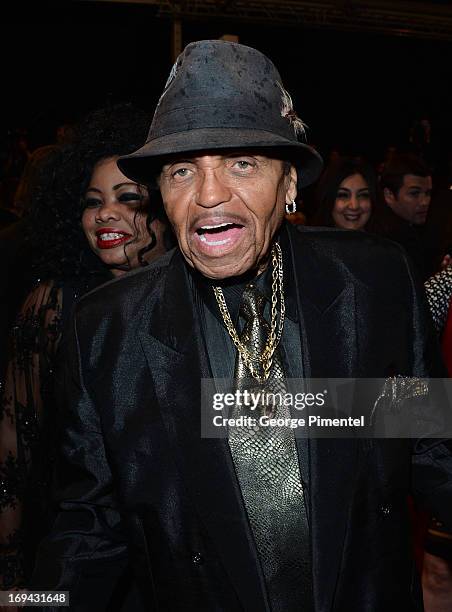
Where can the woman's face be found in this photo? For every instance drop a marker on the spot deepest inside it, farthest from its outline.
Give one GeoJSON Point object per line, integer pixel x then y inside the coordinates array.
{"type": "Point", "coordinates": [114, 218]}
{"type": "Point", "coordinates": [352, 206]}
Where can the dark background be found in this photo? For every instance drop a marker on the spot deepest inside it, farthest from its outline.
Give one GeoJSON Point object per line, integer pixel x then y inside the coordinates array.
{"type": "Point", "coordinates": [357, 91]}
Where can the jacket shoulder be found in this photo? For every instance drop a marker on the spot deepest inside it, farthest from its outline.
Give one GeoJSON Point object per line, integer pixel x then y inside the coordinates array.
{"type": "Point", "coordinates": [352, 245]}
{"type": "Point", "coordinates": [374, 261]}
{"type": "Point", "coordinates": [344, 241]}
{"type": "Point", "coordinates": [125, 294]}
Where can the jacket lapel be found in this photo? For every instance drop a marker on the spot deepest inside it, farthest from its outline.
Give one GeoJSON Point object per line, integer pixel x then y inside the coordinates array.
{"type": "Point", "coordinates": [327, 314]}
{"type": "Point", "coordinates": [326, 304]}
{"type": "Point", "coordinates": [172, 341]}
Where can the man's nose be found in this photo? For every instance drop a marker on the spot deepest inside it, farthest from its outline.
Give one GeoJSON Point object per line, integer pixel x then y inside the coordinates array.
{"type": "Point", "coordinates": [212, 190]}
{"type": "Point", "coordinates": [107, 211]}
{"type": "Point", "coordinates": [425, 199]}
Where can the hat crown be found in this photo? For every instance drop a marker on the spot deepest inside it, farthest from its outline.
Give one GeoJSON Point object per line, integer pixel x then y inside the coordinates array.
{"type": "Point", "coordinates": [221, 84]}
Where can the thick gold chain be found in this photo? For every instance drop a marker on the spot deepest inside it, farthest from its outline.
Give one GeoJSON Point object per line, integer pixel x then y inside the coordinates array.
{"type": "Point", "coordinates": [266, 359]}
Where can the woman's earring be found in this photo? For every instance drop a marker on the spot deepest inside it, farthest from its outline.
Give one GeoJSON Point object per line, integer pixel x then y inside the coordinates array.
{"type": "Point", "coordinates": [291, 208]}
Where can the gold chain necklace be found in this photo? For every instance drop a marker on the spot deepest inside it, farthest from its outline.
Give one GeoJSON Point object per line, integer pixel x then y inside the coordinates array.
{"type": "Point", "coordinates": [266, 359]}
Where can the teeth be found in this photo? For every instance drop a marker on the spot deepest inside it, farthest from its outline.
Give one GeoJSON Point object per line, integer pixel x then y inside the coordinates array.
{"type": "Point", "coordinates": [111, 236]}
{"type": "Point", "coordinates": [208, 227]}
{"type": "Point", "coordinates": [213, 242]}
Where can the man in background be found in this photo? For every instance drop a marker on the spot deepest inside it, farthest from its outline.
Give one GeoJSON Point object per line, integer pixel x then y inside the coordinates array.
{"type": "Point", "coordinates": [406, 183]}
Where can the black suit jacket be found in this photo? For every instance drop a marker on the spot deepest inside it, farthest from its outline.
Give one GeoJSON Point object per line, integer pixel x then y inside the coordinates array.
{"type": "Point", "coordinates": [138, 485]}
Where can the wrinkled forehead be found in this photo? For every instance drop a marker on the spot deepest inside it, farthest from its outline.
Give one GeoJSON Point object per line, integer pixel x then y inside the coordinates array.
{"type": "Point", "coordinates": [200, 157]}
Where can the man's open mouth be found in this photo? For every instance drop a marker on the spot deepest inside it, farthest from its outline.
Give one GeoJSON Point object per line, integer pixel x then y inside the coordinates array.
{"type": "Point", "coordinates": [219, 234]}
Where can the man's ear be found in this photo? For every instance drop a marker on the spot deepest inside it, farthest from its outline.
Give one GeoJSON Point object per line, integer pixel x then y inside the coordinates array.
{"type": "Point", "coordinates": [389, 196]}
{"type": "Point", "coordinates": [291, 190]}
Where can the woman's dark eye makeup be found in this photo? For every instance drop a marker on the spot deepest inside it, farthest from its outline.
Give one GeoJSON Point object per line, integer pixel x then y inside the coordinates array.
{"type": "Point", "coordinates": [131, 196]}
{"type": "Point", "coordinates": [128, 197]}
{"type": "Point", "coordinates": [92, 202]}
{"type": "Point", "coordinates": [343, 193]}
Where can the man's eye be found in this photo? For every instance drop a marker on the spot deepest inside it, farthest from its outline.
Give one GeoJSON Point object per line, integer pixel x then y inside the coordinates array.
{"type": "Point", "coordinates": [243, 164]}
{"type": "Point", "coordinates": [182, 172]}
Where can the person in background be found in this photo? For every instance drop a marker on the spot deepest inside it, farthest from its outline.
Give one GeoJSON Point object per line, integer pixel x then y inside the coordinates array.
{"type": "Point", "coordinates": [437, 561]}
{"type": "Point", "coordinates": [15, 249]}
{"type": "Point", "coordinates": [346, 195]}
{"type": "Point", "coordinates": [89, 224]}
{"type": "Point", "coordinates": [406, 185]}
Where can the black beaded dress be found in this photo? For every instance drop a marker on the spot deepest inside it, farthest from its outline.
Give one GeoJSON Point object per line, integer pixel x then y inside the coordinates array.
{"type": "Point", "coordinates": [28, 422]}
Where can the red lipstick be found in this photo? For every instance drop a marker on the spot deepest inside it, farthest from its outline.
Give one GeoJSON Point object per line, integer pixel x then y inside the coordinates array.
{"type": "Point", "coordinates": [109, 237]}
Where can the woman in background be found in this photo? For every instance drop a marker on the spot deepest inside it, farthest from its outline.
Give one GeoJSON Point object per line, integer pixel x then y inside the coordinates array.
{"type": "Point", "coordinates": [90, 224]}
{"type": "Point", "coordinates": [346, 195]}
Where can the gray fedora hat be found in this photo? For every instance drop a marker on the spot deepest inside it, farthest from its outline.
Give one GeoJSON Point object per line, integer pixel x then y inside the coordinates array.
{"type": "Point", "coordinates": [222, 95]}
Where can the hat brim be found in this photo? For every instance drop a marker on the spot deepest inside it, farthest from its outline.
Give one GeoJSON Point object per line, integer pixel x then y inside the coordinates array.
{"type": "Point", "coordinates": [144, 165]}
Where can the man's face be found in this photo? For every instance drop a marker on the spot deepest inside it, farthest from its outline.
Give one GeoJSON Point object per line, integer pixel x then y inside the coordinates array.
{"type": "Point", "coordinates": [225, 209]}
{"type": "Point", "coordinates": [413, 200]}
